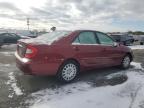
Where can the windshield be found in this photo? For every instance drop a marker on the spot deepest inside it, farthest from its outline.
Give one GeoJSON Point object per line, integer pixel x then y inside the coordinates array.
{"type": "Point", "coordinates": [53, 36]}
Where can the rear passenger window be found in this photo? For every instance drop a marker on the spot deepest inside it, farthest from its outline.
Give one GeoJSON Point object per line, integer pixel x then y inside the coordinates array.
{"type": "Point", "coordinates": [86, 38]}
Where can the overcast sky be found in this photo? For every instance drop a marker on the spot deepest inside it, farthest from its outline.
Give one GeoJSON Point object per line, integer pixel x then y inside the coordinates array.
{"type": "Point", "coordinates": [103, 15]}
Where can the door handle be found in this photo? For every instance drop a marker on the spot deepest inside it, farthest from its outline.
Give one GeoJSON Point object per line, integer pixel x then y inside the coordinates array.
{"type": "Point", "coordinates": [76, 48]}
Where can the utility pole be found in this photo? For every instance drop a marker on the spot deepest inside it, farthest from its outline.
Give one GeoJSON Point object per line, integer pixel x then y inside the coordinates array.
{"type": "Point", "coordinates": [28, 23]}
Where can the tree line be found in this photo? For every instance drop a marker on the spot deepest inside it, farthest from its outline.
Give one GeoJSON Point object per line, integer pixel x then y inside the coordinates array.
{"type": "Point", "coordinates": [136, 32]}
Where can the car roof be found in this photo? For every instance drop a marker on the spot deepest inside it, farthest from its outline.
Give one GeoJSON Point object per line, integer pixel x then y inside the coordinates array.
{"type": "Point", "coordinates": [86, 30]}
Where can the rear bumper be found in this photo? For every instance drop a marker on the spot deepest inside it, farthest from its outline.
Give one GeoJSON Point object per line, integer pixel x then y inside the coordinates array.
{"type": "Point", "coordinates": [30, 67]}
{"type": "Point", "coordinates": [23, 64]}
{"type": "Point", "coordinates": [24, 68]}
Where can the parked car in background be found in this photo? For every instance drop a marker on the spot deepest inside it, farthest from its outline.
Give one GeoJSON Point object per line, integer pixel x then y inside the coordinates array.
{"type": "Point", "coordinates": [31, 34]}
{"type": "Point", "coordinates": [66, 53]}
{"type": "Point", "coordinates": [124, 39]}
{"type": "Point", "coordinates": [22, 37]}
{"type": "Point", "coordinates": [10, 38]}
{"type": "Point", "coordinates": [28, 33]}
{"type": "Point", "coordinates": [142, 40]}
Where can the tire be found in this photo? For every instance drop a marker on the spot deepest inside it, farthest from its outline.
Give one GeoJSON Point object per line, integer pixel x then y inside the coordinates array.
{"type": "Point", "coordinates": [141, 43]}
{"type": "Point", "coordinates": [125, 64]}
{"type": "Point", "coordinates": [68, 71]}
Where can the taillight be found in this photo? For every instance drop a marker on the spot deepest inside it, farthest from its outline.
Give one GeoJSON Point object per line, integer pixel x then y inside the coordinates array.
{"type": "Point", "coordinates": [30, 51]}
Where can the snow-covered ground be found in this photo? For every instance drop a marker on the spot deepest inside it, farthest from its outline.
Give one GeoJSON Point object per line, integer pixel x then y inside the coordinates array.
{"type": "Point", "coordinates": [7, 53]}
{"type": "Point", "coordinates": [137, 47]}
{"type": "Point", "coordinates": [13, 83]}
{"type": "Point", "coordinates": [130, 94]}
{"type": "Point", "coordinates": [8, 50]}
{"type": "Point", "coordinates": [12, 46]}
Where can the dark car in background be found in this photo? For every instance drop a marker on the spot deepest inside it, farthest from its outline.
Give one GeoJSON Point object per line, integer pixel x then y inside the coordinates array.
{"type": "Point", "coordinates": [124, 39]}
{"type": "Point", "coordinates": [142, 40]}
{"type": "Point", "coordinates": [66, 53]}
{"type": "Point", "coordinates": [10, 38]}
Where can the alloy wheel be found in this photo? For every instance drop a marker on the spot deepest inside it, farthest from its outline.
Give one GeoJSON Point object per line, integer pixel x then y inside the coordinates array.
{"type": "Point", "coordinates": [69, 72]}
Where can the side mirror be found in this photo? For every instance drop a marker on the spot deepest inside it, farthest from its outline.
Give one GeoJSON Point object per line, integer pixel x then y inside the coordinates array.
{"type": "Point", "coordinates": [115, 44]}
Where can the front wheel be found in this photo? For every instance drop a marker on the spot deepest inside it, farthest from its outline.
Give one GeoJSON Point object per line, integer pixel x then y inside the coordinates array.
{"type": "Point", "coordinates": [126, 62]}
{"type": "Point", "coordinates": [68, 71]}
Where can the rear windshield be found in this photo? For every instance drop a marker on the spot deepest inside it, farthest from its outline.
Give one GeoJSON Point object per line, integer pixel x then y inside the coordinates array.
{"type": "Point", "coordinates": [53, 36]}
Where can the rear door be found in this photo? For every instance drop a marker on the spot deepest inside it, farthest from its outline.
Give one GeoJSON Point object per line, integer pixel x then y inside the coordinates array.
{"type": "Point", "coordinates": [111, 54]}
{"type": "Point", "coordinates": [87, 49]}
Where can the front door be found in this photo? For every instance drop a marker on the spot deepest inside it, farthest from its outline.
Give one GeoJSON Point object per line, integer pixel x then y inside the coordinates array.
{"type": "Point", "coordinates": [88, 49]}
{"type": "Point", "coordinates": [112, 54]}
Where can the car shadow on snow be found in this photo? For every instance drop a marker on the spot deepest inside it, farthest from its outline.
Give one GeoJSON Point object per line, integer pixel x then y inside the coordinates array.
{"type": "Point", "coordinates": [102, 77]}
{"type": "Point", "coordinates": [96, 78]}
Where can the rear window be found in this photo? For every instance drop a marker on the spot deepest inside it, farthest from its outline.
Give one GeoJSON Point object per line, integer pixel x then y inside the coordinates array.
{"type": "Point", "coordinates": [53, 36]}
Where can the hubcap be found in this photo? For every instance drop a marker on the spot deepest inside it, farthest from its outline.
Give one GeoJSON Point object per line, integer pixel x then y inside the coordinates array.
{"type": "Point", "coordinates": [126, 61]}
{"type": "Point", "coordinates": [69, 72]}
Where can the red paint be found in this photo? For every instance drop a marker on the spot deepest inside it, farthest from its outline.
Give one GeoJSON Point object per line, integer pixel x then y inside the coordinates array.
{"type": "Point", "coordinates": [46, 59]}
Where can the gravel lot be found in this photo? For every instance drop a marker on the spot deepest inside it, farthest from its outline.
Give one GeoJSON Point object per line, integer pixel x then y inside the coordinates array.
{"type": "Point", "coordinates": [16, 89]}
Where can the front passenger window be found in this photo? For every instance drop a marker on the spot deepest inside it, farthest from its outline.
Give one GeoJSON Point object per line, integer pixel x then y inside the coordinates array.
{"type": "Point", "coordinates": [104, 39]}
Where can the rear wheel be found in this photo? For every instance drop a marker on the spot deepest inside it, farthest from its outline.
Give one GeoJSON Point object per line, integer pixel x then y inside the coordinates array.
{"type": "Point", "coordinates": [68, 71]}
{"type": "Point", "coordinates": [126, 62]}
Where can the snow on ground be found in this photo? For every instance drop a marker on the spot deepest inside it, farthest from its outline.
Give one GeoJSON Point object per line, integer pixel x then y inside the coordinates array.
{"type": "Point", "coordinates": [136, 47]}
{"type": "Point", "coordinates": [7, 53]}
{"type": "Point", "coordinates": [137, 65]}
{"type": "Point", "coordinates": [13, 83]}
{"type": "Point", "coordinates": [83, 95]}
{"type": "Point", "coordinates": [8, 50]}
{"type": "Point", "coordinates": [10, 46]}
{"type": "Point", "coordinates": [5, 65]}
{"type": "Point", "coordinates": [5, 68]}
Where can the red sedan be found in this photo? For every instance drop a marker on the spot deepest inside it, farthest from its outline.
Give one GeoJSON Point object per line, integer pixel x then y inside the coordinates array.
{"type": "Point", "coordinates": [66, 53]}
